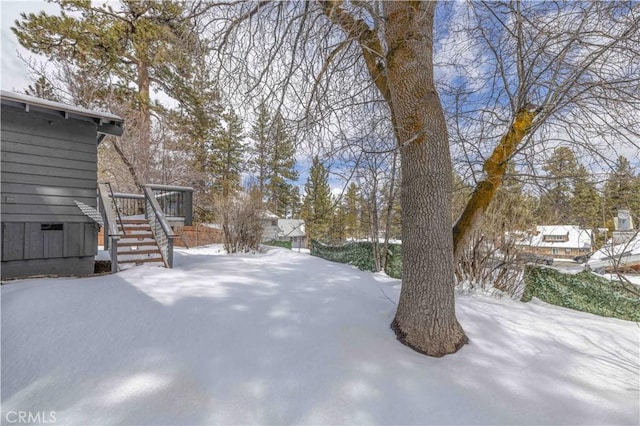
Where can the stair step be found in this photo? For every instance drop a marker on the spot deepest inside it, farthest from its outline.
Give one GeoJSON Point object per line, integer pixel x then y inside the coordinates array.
{"type": "Point", "coordinates": [138, 236]}
{"type": "Point", "coordinates": [137, 243]}
{"type": "Point", "coordinates": [130, 252]}
{"type": "Point", "coordinates": [135, 227]}
{"type": "Point", "coordinates": [147, 260]}
{"type": "Point", "coordinates": [134, 221]}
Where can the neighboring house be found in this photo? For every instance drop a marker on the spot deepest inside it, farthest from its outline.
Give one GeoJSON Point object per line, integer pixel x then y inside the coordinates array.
{"type": "Point", "coordinates": [623, 223]}
{"type": "Point", "coordinates": [269, 226]}
{"type": "Point", "coordinates": [622, 251]}
{"type": "Point", "coordinates": [276, 229]}
{"type": "Point", "coordinates": [49, 164]}
{"type": "Point", "coordinates": [557, 241]}
{"type": "Point", "coordinates": [293, 230]}
{"type": "Point", "coordinates": [617, 257]}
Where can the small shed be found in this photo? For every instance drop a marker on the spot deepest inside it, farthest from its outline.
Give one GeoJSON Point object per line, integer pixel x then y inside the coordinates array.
{"type": "Point", "coordinates": [293, 230]}
{"type": "Point", "coordinates": [49, 164]}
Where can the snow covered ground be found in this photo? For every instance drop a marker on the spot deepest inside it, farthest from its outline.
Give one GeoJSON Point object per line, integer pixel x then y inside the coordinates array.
{"type": "Point", "coordinates": [286, 338]}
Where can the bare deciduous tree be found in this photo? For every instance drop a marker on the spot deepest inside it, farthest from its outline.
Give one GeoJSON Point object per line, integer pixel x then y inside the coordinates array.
{"type": "Point", "coordinates": [535, 75]}
{"type": "Point", "coordinates": [356, 46]}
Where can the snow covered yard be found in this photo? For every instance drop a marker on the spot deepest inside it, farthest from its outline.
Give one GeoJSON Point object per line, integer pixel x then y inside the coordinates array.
{"type": "Point", "coordinates": [285, 338]}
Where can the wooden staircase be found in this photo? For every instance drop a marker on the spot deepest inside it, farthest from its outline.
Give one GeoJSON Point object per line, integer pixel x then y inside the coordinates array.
{"type": "Point", "coordinates": [138, 246]}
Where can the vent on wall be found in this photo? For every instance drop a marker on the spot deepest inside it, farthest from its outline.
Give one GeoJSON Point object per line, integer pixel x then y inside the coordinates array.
{"type": "Point", "coordinates": [51, 227]}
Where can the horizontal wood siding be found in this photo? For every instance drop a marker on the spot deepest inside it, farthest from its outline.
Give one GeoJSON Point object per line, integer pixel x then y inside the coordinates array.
{"type": "Point", "coordinates": [48, 163]}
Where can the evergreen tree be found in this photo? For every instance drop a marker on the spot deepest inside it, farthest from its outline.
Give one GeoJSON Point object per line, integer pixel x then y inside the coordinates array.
{"type": "Point", "coordinates": [337, 231]}
{"type": "Point", "coordinates": [281, 167]}
{"type": "Point", "coordinates": [621, 190]}
{"type": "Point", "coordinates": [295, 203]}
{"type": "Point", "coordinates": [259, 153]}
{"type": "Point", "coordinates": [227, 161]}
{"type": "Point", "coordinates": [43, 89]}
{"type": "Point", "coordinates": [316, 208]}
{"type": "Point", "coordinates": [555, 202]}
{"type": "Point", "coordinates": [129, 50]}
{"type": "Point", "coordinates": [586, 203]}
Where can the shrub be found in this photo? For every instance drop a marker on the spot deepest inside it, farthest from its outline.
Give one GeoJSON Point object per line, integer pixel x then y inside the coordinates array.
{"type": "Point", "coordinates": [275, 243]}
{"type": "Point", "coordinates": [241, 218]}
{"type": "Point", "coordinates": [359, 254]}
{"type": "Point", "coordinates": [583, 292]}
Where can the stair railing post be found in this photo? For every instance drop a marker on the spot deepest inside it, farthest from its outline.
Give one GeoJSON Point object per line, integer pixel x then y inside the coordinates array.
{"type": "Point", "coordinates": [111, 232]}
{"type": "Point", "coordinates": [188, 207]}
{"type": "Point", "coordinates": [114, 252]}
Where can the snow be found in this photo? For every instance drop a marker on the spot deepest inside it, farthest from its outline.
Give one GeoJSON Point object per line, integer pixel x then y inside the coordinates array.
{"type": "Point", "coordinates": [576, 237]}
{"type": "Point", "coordinates": [286, 338]}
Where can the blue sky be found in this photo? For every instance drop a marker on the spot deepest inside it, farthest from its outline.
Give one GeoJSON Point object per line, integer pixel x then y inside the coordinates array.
{"type": "Point", "coordinates": [14, 73]}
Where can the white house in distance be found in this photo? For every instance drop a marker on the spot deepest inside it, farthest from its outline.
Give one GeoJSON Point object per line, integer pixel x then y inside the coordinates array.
{"type": "Point", "coordinates": [557, 241]}
{"type": "Point", "coordinates": [276, 229]}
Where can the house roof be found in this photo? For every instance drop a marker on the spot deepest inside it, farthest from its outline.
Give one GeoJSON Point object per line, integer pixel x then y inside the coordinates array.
{"type": "Point", "coordinates": [577, 237]}
{"type": "Point", "coordinates": [108, 124]}
{"type": "Point", "coordinates": [291, 227]}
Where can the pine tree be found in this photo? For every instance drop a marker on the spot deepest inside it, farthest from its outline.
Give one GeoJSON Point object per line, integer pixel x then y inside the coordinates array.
{"type": "Point", "coordinates": [620, 190]}
{"type": "Point", "coordinates": [281, 167]}
{"type": "Point", "coordinates": [337, 230]}
{"type": "Point", "coordinates": [295, 203]}
{"type": "Point", "coordinates": [586, 203]}
{"type": "Point", "coordinates": [43, 89]}
{"type": "Point", "coordinates": [130, 50]}
{"type": "Point", "coordinates": [316, 208]}
{"type": "Point", "coordinates": [227, 155]}
{"type": "Point", "coordinates": [259, 153]}
{"type": "Point", "coordinates": [561, 168]}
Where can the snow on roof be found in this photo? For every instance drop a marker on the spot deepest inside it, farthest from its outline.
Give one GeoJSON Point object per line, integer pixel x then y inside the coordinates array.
{"type": "Point", "coordinates": [629, 248]}
{"type": "Point", "coordinates": [291, 227]}
{"type": "Point", "coordinates": [269, 215]}
{"type": "Point", "coordinates": [576, 237]}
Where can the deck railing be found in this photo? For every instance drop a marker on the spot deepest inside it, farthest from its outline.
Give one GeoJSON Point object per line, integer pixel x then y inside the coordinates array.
{"type": "Point", "coordinates": [173, 201]}
{"type": "Point", "coordinates": [129, 204]}
{"type": "Point", "coordinates": [158, 203]}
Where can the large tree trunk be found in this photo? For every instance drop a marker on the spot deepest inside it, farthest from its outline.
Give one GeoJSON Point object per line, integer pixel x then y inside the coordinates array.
{"type": "Point", "coordinates": [143, 147]}
{"type": "Point", "coordinates": [387, 226]}
{"type": "Point", "coordinates": [425, 319]}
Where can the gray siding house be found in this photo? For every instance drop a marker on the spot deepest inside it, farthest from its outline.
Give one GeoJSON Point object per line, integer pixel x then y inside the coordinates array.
{"type": "Point", "coordinates": [48, 163]}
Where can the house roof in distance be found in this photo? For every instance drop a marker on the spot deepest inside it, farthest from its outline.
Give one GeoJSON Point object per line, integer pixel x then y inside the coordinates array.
{"type": "Point", "coordinates": [107, 123]}
{"type": "Point", "coordinates": [291, 227]}
{"type": "Point", "coordinates": [577, 237]}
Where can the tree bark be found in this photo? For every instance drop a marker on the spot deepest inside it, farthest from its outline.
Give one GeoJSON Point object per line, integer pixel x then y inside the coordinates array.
{"type": "Point", "coordinates": [127, 163]}
{"type": "Point", "coordinates": [425, 319]}
{"type": "Point", "coordinates": [144, 126]}
{"type": "Point", "coordinates": [494, 168]}
{"type": "Point", "coordinates": [387, 226]}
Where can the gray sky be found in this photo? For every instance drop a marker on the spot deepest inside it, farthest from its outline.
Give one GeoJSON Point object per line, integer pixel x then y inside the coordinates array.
{"type": "Point", "coordinates": [14, 74]}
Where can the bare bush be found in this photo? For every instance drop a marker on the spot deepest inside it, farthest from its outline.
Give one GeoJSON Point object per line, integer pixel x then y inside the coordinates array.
{"type": "Point", "coordinates": [241, 218]}
{"type": "Point", "coordinates": [489, 267]}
